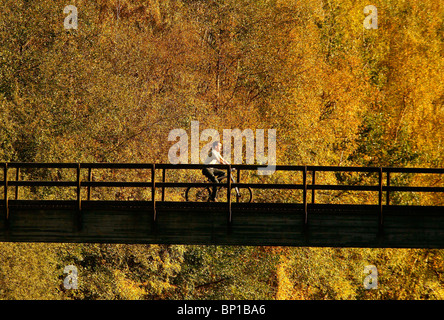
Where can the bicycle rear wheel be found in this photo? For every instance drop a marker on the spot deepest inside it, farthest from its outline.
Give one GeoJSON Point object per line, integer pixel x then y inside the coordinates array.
{"type": "Point", "coordinates": [197, 194]}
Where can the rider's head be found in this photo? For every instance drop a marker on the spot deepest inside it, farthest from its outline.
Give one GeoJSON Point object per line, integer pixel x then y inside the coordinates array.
{"type": "Point", "coordinates": [217, 146]}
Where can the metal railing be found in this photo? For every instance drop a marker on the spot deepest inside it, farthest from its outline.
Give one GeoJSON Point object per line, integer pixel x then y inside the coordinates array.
{"type": "Point", "coordinates": [154, 185]}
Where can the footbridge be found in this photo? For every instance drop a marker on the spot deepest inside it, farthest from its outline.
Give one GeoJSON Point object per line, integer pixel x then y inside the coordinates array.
{"type": "Point", "coordinates": [295, 206]}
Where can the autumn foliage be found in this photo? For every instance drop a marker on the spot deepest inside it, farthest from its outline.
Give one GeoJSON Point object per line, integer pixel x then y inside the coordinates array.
{"type": "Point", "coordinates": [112, 89]}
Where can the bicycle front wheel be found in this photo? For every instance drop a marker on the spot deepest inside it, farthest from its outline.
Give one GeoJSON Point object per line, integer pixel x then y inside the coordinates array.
{"type": "Point", "coordinates": [197, 194]}
{"type": "Point", "coordinates": [244, 195]}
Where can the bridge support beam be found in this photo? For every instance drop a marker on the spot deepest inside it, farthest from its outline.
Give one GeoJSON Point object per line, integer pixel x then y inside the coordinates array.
{"type": "Point", "coordinates": [206, 224]}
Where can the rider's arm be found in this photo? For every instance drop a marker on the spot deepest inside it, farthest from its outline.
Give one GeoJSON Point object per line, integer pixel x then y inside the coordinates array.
{"type": "Point", "coordinates": [221, 159]}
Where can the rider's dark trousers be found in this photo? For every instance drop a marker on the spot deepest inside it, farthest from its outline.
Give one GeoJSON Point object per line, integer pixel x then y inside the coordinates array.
{"type": "Point", "coordinates": [213, 174]}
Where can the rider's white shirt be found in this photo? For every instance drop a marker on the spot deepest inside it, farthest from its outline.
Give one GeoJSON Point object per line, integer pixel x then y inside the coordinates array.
{"type": "Point", "coordinates": [214, 159]}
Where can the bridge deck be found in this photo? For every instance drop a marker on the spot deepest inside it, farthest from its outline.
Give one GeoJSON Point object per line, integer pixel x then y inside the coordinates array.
{"type": "Point", "coordinates": [208, 223]}
{"type": "Point", "coordinates": [228, 223]}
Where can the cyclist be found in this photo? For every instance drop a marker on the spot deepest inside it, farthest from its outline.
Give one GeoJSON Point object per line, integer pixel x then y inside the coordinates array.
{"type": "Point", "coordinates": [214, 157]}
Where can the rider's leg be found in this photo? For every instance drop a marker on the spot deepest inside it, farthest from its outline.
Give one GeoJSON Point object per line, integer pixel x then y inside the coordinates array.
{"type": "Point", "coordinates": [209, 173]}
{"type": "Point", "coordinates": [218, 174]}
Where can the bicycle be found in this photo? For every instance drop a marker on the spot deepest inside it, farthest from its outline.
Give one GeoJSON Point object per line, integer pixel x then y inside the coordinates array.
{"type": "Point", "coordinates": [202, 194]}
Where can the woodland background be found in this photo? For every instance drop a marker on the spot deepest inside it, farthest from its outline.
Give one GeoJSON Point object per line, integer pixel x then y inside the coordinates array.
{"type": "Point", "coordinates": [111, 91]}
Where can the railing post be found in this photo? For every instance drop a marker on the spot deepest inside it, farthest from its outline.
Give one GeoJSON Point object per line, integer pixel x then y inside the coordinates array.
{"type": "Point", "coordinates": [388, 191]}
{"type": "Point", "coordinates": [163, 188]}
{"type": "Point", "coordinates": [153, 190]}
{"type": "Point", "coordinates": [79, 183]}
{"type": "Point", "coordinates": [79, 198]}
{"type": "Point", "coordinates": [304, 178]}
{"type": "Point", "coordinates": [238, 181]}
{"type": "Point", "coordinates": [313, 181]}
{"type": "Point", "coordinates": [380, 199]}
{"type": "Point", "coordinates": [89, 180]}
{"type": "Point", "coordinates": [17, 176]}
{"type": "Point", "coordinates": [5, 185]}
{"type": "Point", "coordinates": [229, 192]}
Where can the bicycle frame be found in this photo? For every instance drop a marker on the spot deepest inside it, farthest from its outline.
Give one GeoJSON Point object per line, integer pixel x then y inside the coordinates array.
{"type": "Point", "coordinates": [219, 185]}
{"type": "Point", "coordinates": [232, 179]}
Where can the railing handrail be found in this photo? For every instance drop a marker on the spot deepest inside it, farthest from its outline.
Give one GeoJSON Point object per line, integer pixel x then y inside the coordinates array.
{"type": "Point", "coordinates": [153, 184]}
{"type": "Point", "coordinates": [163, 184]}
{"type": "Point", "coordinates": [134, 165]}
